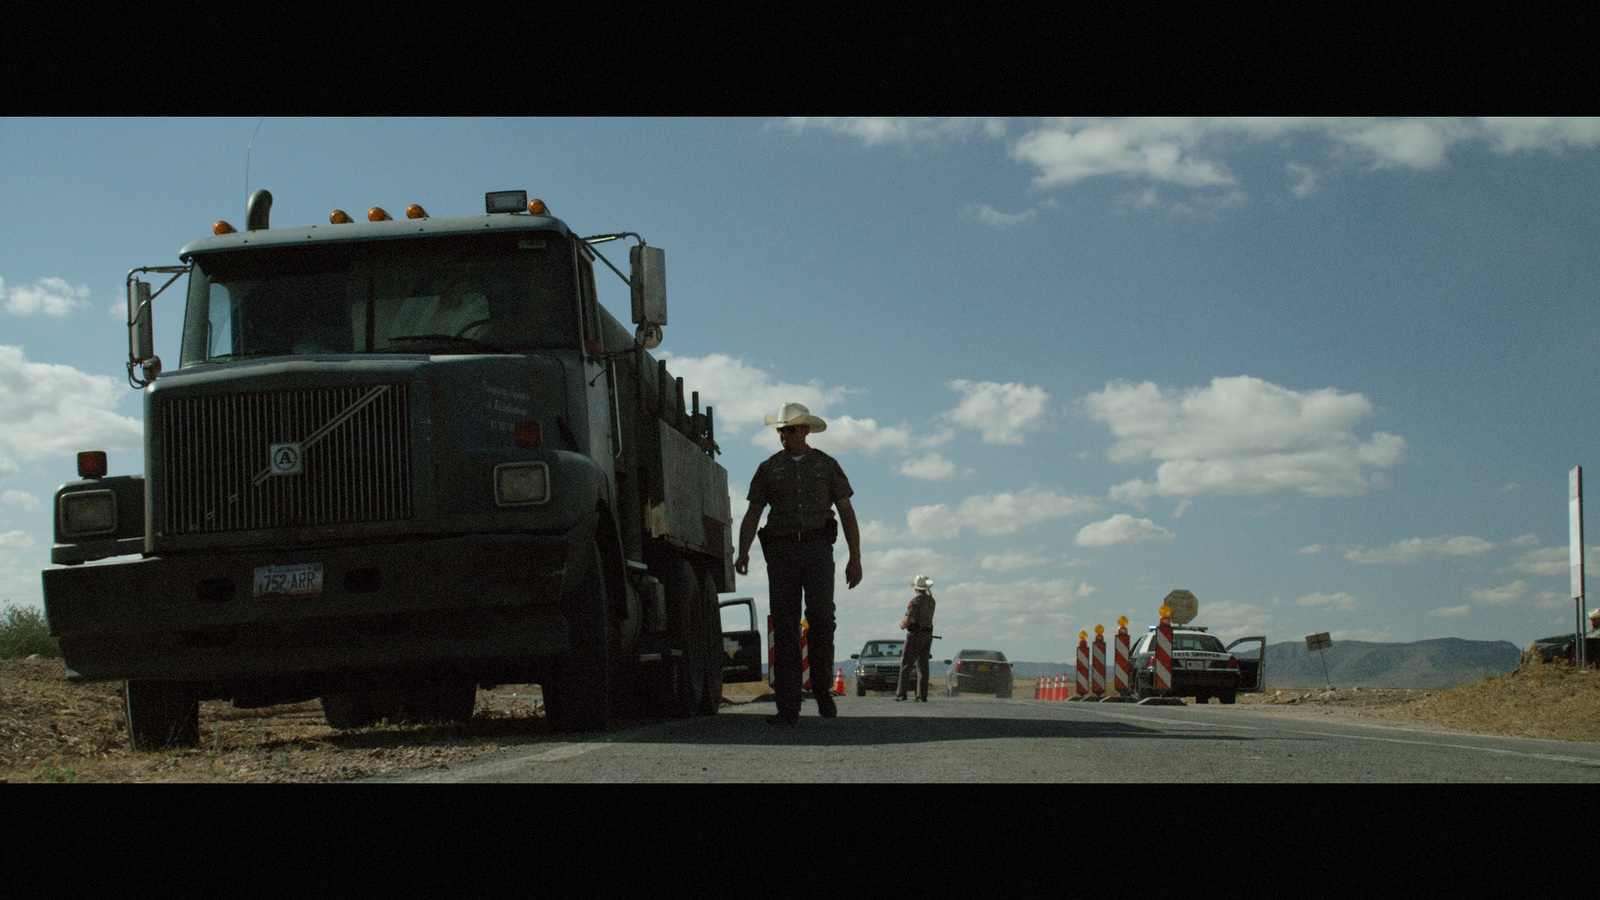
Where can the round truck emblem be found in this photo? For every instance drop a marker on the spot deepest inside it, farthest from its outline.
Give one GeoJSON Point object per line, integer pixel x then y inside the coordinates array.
{"type": "Point", "coordinates": [287, 459]}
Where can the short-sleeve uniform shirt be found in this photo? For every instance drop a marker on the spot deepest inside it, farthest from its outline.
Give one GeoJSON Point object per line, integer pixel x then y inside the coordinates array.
{"type": "Point", "coordinates": [799, 494]}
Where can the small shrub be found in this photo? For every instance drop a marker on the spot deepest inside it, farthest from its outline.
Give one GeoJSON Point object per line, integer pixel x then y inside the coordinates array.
{"type": "Point", "coordinates": [23, 632]}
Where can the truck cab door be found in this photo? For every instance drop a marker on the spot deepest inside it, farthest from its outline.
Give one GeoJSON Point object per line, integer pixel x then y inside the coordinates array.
{"type": "Point", "coordinates": [1252, 664]}
{"type": "Point", "coordinates": [741, 648]}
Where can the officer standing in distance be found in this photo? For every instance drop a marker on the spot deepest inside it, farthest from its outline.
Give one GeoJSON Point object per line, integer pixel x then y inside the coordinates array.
{"type": "Point", "coordinates": [918, 624]}
{"type": "Point", "coordinates": [803, 485]}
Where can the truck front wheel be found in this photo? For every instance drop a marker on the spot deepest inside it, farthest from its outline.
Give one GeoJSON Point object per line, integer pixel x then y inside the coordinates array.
{"type": "Point", "coordinates": [160, 714]}
{"type": "Point", "coordinates": [577, 696]}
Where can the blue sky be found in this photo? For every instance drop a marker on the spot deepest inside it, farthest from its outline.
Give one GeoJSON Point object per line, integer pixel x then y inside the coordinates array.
{"type": "Point", "coordinates": [1327, 374]}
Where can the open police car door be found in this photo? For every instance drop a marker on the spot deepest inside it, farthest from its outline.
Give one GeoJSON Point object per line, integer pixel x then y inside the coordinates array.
{"type": "Point", "coordinates": [1252, 664]}
{"type": "Point", "coordinates": [742, 649]}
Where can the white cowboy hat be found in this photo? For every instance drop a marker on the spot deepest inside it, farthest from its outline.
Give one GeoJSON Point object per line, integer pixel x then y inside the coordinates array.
{"type": "Point", "coordinates": [795, 414]}
{"type": "Point", "coordinates": [922, 582]}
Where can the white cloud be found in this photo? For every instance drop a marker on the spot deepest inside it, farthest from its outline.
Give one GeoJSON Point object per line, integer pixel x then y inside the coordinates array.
{"type": "Point", "coordinates": [1241, 435]}
{"type": "Point", "coordinates": [1011, 560]}
{"type": "Point", "coordinates": [1004, 413]}
{"type": "Point", "coordinates": [1069, 150]}
{"type": "Point", "coordinates": [910, 560]}
{"type": "Point", "coordinates": [1120, 529]}
{"type": "Point", "coordinates": [15, 540]}
{"type": "Point", "coordinates": [847, 434]}
{"type": "Point", "coordinates": [51, 296]}
{"type": "Point", "coordinates": [992, 217]}
{"type": "Point", "coordinates": [1004, 513]}
{"type": "Point", "coordinates": [1190, 153]}
{"type": "Point", "coordinates": [20, 500]}
{"type": "Point", "coordinates": [1544, 561]}
{"type": "Point", "coordinates": [874, 131]}
{"type": "Point", "coordinates": [936, 522]}
{"type": "Point", "coordinates": [48, 409]}
{"type": "Point", "coordinates": [1011, 511]}
{"type": "Point", "coordinates": [1311, 549]}
{"type": "Point", "coordinates": [1452, 612]}
{"type": "Point", "coordinates": [1546, 134]}
{"type": "Point", "coordinates": [1340, 602]}
{"type": "Point", "coordinates": [1515, 592]}
{"type": "Point", "coordinates": [929, 467]}
{"type": "Point", "coordinates": [742, 395]}
{"type": "Point", "coordinates": [1417, 549]}
{"type": "Point", "coordinates": [1229, 619]}
{"type": "Point", "coordinates": [1015, 609]}
{"type": "Point", "coordinates": [1305, 179]}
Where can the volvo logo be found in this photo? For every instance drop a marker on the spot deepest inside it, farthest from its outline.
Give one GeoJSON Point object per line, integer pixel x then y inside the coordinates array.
{"type": "Point", "coordinates": [287, 459]}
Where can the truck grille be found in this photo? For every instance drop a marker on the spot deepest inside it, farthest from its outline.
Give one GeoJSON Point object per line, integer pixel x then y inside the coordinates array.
{"type": "Point", "coordinates": [353, 445]}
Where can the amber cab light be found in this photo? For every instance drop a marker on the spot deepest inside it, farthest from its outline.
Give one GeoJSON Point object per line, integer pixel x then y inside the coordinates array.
{"type": "Point", "coordinates": [415, 211]}
{"type": "Point", "coordinates": [92, 464]}
{"type": "Point", "coordinates": [537, 207]}
{"type": "Point", "coordinates": [340, 217]}
{"type": "Point", "coordinates": [222, 228]}
{"type": "Point", "coordinates": [376, 214]}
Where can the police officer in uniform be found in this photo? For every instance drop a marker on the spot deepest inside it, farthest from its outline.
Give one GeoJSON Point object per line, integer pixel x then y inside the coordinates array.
{"type": "Point", "coordinates": [918, 624]}
{"type": "Point", "coordinates": [803, 485]}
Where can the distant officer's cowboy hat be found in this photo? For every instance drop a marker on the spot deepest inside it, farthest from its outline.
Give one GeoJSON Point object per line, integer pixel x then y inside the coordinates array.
{"type": "Point", "coordinates": [795, 414]}
{"type": "Point", "coordinates": [922, 582]}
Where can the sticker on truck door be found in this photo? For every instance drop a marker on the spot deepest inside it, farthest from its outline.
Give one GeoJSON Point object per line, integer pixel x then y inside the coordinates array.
{"type": "Point", "coordinates": [286, 582]}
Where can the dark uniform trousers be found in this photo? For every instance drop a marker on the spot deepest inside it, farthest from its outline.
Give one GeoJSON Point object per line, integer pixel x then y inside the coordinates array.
{"type": "Point", "coordinates": [914, 662]}
{"type": "Point", "coordinates": [796, 568]}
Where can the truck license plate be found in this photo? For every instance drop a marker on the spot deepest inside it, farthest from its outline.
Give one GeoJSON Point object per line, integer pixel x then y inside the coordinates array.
{"type": "Point", "coordinates": [281, 582]}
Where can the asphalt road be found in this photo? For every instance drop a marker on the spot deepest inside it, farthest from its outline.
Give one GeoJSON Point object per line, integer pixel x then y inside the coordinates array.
{"type": "Point", "coordinates": [977, 739]}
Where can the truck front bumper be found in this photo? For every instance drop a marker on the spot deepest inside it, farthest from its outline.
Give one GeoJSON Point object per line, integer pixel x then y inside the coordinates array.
{"type": "Point", "coordinates": [392, 605]}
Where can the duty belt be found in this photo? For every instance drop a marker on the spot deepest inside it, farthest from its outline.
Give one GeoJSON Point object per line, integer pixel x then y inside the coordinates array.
{"type": "Point", "coordinates": [820, 534]}
{"type": "Point", "coordinates": [914, 628]}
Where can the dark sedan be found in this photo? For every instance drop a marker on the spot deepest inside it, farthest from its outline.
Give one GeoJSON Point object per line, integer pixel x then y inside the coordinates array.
{"type": "Point", "coordinates": [979, 672]}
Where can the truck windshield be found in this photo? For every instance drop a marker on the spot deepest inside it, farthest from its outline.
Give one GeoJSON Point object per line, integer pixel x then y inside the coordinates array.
{"type": "Point", "coordinates": [502, 293]}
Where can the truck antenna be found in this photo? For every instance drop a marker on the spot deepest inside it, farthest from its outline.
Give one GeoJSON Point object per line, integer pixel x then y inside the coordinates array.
{"type": "Point", "coordinates": [247, 162]}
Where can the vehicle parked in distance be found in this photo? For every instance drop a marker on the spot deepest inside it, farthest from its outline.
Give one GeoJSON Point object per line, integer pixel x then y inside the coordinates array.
{"type": "Point", "coordinates": [1202, 667]}
{"type": "Point", "coordinates": [978, 672]}
{"type": "Point", "coordinates": [1560, 647]}
{"type": "Point", "coordinates": [878, 665]}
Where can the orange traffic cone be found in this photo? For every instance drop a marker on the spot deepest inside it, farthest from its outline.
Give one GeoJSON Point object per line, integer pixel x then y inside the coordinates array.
{"type": "Point", "coordinates": [838, 681]}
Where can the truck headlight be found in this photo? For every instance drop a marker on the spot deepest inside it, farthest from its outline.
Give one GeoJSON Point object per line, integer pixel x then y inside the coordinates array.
{"type": "Point", "coordinates": [521, 484]}
{"type": "Point", "coordinates": [88, 513]}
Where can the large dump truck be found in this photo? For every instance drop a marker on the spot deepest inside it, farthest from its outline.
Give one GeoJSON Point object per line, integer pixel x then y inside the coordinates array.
{"type": "Point", "coordinates": [400, 459]}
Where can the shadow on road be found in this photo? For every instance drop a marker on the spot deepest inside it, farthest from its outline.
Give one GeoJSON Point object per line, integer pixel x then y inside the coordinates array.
{"type": "Point", "coordinates": [866, 731]}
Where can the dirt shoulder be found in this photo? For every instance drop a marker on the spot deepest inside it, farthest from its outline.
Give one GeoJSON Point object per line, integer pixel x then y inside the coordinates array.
{"type": "Point", "coordinates": [1548, 701]}
{"type": "Point", "coordinates": [54, 730]}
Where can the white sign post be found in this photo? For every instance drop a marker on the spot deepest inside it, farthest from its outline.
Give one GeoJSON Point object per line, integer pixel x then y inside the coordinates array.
{"type": "Point", "coordinates": [1575, 555]}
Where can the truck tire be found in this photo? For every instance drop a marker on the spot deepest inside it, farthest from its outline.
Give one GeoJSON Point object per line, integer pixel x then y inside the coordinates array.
{"type": "Point", "coordinates": [687, 632]}
{"type": "Point", "coordinates": [711, 647]}
{"type": "Point", "coordinates": [577, 694]}
{"type": "Point", "coordinates": [861, 690]}
{"type": "Point", "coordinates": [1228, 696]}
{"type": "Point", "coordinates": [160, 714]}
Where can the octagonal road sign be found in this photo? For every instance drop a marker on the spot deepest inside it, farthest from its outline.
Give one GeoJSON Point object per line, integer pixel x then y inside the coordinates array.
{"type": "Point", "coordinates": [1184, 606]}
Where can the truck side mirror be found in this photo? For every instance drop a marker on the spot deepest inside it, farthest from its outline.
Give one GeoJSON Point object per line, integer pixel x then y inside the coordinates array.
{"type": "Point", "coordinates": [648, 281]}
{"type": "Point", "coordinates": [141, 333]}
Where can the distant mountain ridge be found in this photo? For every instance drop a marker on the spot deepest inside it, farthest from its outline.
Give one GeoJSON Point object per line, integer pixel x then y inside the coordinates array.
{"type": "Point", "coordinates": [1432, 664]}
